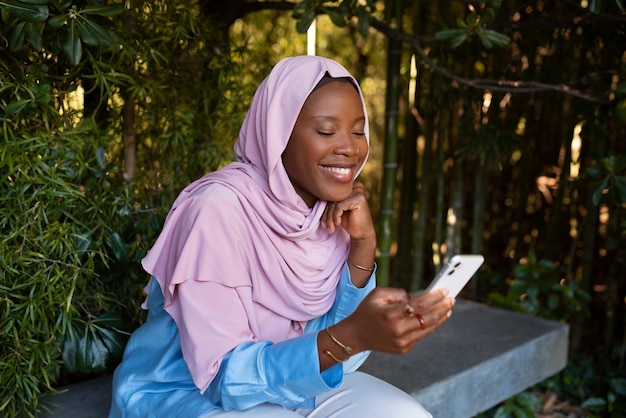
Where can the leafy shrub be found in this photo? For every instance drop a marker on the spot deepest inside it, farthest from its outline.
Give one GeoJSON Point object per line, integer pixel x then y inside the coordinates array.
{"type": "Point", "coordinates": [539, 288]}
{"type": "Point", "coordinates": [53, 233]}
{"type": "Point", "coordinates": [73, 228]}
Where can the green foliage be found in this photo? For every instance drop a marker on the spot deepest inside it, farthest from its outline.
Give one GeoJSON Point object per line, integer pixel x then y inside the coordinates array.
{"type": "Point", "coordinates": [522, 405]}
{"type": "Point", "coordinates": [489, 144]}
{"type": "Point", "coordinates": [612, 187]}
{"type": "Point", "coordinates": [538, 287]}
{"type": "Point", "coordinates": [475, 25]}
{"type": "Point", "coordinates": [613, 404]}
{"type": "Point", "coordinates": [596, 385]}
{"type": "Point", "coordinates": [90, 347]}
{"type": "Point", "coordinates": [73, 230]}
{"type": "Point", "coordinates": [52, 239]}
{"type": "Point", "coordinates": [339, 12]}
{"type": "Point", "coordinates": [73, 24]}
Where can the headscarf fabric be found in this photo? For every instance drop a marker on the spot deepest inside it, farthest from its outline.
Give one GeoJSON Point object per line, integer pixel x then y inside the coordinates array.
{"type": "Point", "coordinates": [244, 226]}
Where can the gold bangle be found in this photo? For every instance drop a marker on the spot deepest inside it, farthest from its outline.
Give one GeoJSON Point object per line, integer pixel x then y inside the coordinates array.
{"type": "Point", "coordinates": [332, 356]}
{"type": "Point", "coordinates": [346, 348]}
{"type": "Point", "coordinates": [358, 266]}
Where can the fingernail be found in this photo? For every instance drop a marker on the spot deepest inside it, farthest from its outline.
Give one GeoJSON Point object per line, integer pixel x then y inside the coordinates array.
{"type": "Point", "coordinates": [445, 291]}
{"type": "Point", "coordinates": [449, 314]}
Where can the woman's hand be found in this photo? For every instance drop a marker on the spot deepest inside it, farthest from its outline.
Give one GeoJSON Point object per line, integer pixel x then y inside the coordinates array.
{"type": "Point", "coordinates": [388, 321]}
{"type": "Point", "coordinates": [353, 213]}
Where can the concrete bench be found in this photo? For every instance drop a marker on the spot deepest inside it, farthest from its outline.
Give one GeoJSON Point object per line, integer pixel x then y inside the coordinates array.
{"type": "Point", "coordinates": [480, 357]}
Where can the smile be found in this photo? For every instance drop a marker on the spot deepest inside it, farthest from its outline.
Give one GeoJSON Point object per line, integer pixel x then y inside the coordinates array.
{"type": "Point", "coordinates": [342, 171]}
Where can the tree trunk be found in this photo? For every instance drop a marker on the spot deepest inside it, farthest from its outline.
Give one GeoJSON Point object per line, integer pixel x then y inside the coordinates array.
{"type": "Point", "coordinates": [403, 265]}
{"type": "Point", "coordinates": [390, 163]}
{"type": "Point", "coordinates": [423, 213]}
{"type": "Point", "coordinates": [440, 211]}
{"type": "Point", "coordinates": [479, 208]}
{"type": "Point", "coordinates": [130, 141]}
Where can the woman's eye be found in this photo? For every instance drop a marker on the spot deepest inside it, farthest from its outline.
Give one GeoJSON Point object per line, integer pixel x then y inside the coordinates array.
{"type": "Point", "coordinates": [325, 133]}
{"type": "Point", "coordinates": [358, 133]}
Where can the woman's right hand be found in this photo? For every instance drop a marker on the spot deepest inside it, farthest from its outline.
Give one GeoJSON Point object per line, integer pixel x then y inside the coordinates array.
{"type": "Point", "coordinates": [387, 320]}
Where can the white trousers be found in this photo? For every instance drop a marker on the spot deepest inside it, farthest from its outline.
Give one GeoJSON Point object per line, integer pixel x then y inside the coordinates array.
{"type": "Point", "coordinates": [360, 396]}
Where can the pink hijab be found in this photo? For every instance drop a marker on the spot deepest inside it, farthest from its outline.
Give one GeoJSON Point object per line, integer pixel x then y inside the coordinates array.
{"type": "Point", "coordinates": [261, 235]}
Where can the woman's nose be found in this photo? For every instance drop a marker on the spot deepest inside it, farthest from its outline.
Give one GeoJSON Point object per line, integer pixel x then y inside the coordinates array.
{"type": "Point", "coordinates": [347, 144]}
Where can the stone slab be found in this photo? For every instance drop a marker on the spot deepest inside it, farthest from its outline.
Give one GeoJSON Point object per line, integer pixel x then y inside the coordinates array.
{"type": "Point", "coordinates": [480, 357]}
{"type": "Point", "coordinates": [88, 399]}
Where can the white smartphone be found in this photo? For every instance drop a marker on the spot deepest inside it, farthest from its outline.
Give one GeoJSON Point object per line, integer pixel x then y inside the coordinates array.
{"type": "Point", "coordinates": [456, 273]}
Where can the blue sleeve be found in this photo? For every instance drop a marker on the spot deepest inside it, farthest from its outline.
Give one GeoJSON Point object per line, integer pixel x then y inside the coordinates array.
{"type": "Point", "coordinates": [287, 373]}
{"type": "Point", "coordinates": [346, 301]}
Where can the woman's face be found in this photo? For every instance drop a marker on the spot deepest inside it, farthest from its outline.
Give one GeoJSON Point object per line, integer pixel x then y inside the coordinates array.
{"type": "Point", "coordinates": [328, 144]}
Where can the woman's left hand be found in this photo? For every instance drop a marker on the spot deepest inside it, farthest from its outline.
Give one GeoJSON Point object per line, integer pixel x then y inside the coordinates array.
{"type": "Point", "coordinates": [352, 213]}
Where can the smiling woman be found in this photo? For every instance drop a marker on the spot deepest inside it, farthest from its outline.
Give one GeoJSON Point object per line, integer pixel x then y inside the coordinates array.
{"type": "Point", "coordinates": [262, 300]}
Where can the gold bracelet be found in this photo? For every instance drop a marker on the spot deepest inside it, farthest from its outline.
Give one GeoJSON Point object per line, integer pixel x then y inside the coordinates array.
{"type": "Point", "coordinates": [358, 266]}
{"type": "Point", "coordinates": [332, 356]}
{"type": "Point", "coordinates": [346, 348]}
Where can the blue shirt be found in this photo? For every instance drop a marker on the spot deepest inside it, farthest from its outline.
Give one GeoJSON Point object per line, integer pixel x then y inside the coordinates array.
{"type": "Point", "coordinates": [153, 379]}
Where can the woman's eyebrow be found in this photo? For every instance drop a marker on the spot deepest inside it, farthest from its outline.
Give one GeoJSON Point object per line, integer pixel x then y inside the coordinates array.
{"type": "Point", "coordinates": [334, 118]}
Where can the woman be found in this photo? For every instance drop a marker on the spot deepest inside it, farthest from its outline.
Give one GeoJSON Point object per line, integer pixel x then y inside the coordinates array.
{"type": "Point", "coordinates": [262, 299]}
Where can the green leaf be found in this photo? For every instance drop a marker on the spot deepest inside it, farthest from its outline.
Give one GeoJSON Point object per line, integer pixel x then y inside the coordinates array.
{"type": "Point", "coordinates": [495, 38]}
{"type": "Point", "coordinates": [15, 107]}
{"type": "Point", "coordinates": [33, 35]}
{"type": "Point", "coordinates": [502, 412]}
{"type": "Point", "coordinates": [57, 21]}
{"type": "Point", "coordinates": [595, 6]}
{"type": "Point", "coordinates": [70, 348]}
{"type": "Point", "coordinates": [337, 18]}
{"type": "Point", "coordinates": [300, 9]}
{"type": "Point", "coordinates": [364, 21]}
{"type": "Point", "coordinates": [25, 11]}
{"type": "Point", "coordinates": [598, 193]}
{"type": "Point", "coordinates": [35, 1]}
{"type": "Point", "coordinates": [107, 319]}
{"type": "Point", "coordinates": [619, 385]}
{"type": "Point", "coordinates": [447, 34]}
{"type": "Point", "coordinates": [458, 40]}
{"type": "Point", "coordinates": [594, 404]}
{"type": "Point", "coordinates": [120, 248]}
{"type": "Point", "coordinates": [72, 46]}
{"type": "Point", "coordinates": [487, 15]}
{"type": "Point", "coordinates": [92, 354]}
{"type": "Point", "coordinates": [344, 8]}
{"type": "Point", "coordinates": [83, 242]}
{"type": "Point", "coordinates": [42, 93]}
{"type": "Point", "coordinates": [112, 342]}
{"type": "Point", "coordinates": [105, 10]}
{"type": "Point", "coordinates": [101, 156]}
{"type": "Point", "coordinates": [302, 26]}
{"type": "Point", "coordinates": [17, 37]}
{"type": "Point", "coordinates": [487, 43]}
{"type": "Point", "coordinates": [93, 34]}
{"type": "Point", "coordinates": [620, 188]}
